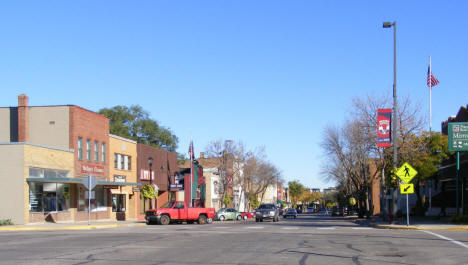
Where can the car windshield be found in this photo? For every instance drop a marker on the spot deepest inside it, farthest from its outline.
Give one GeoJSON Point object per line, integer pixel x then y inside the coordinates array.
{"type": "Point", "coordinates": [266, 206]}
{"type": "Point", "coordinates": [168, 205]}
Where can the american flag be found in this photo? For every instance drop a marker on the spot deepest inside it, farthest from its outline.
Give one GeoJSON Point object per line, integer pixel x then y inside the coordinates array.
{"type": "Point", "coordinates": [431, 80]}
{"type": "Point", "coordinates": [190, 151]}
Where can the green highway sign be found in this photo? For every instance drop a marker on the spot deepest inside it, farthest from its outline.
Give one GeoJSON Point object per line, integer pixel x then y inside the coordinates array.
{"type": "Point", "coordinates": [458, 136]}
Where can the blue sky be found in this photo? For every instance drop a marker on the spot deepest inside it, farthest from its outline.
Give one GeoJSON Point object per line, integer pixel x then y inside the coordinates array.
{"type": "Point", "coordinates": [268, 73]}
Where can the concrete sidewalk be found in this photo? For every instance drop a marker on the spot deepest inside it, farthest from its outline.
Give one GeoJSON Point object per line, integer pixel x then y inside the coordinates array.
{"type": "Point", "coordinates": [72, 226]}
{"type": "Point", "coordinates": [416, 223]}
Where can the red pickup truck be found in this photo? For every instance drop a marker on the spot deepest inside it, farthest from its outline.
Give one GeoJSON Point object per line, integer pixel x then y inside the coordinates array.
{"type": "Point", "coordinates": [177, 211]}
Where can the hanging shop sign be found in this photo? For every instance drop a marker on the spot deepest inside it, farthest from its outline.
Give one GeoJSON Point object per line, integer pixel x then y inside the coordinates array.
{"type": "Point", "coordinates": [384, 118]}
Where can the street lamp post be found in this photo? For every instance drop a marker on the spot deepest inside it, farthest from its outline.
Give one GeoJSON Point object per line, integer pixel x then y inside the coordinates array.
{"type": "Point", "coordinates": [150, 164]}
{"type": "Point", "coordinates": [395, 110]}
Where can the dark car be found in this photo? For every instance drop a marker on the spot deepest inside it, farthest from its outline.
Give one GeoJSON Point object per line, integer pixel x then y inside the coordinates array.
{"type": "Point", "coordinates": [267, 211]}
{"type": "Point", "coordinates": [338, 211]}
{"type": "Point", "coordinates": [290, 213]}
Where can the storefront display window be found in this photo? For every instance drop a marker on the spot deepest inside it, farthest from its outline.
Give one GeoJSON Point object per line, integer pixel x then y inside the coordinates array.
{"type": "Point", "coordinates": [49, 197]}
{"type": "Point", "coordinates": [98, 203]}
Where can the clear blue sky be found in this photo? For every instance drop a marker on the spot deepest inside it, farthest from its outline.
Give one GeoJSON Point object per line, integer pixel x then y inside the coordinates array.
{"type": "Point", "coordinates": [268, 73]}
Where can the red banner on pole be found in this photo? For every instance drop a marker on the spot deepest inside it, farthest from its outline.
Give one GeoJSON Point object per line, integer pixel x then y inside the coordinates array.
{"type": "Point", "coordinates": [384, 121]}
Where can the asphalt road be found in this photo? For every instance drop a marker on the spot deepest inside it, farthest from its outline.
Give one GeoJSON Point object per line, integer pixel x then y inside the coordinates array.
{"type": "Point", "coordinates": [307, 240]}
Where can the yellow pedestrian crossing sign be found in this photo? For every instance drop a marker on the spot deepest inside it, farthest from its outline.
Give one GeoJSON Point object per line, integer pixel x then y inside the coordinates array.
{"type": "Point", "coordinates": [406, 173]}
{"type": "Point", "coordinates": [406, 188]}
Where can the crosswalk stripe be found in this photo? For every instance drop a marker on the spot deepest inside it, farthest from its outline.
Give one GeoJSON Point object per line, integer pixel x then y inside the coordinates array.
{"type": "Point", "coordinates": [255, 227]}
{"type": "Point", "coordinates": [290, 228]}
{"type": "Point", "coordinates": [326, 228]}
{"type": "Point", "coordinates": [361, 228]}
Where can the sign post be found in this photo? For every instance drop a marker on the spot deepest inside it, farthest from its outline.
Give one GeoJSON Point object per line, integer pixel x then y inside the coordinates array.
{"type": "Point", "coordinates": [89, 182]}
{"type": "Point", "coordinates": [458, 141]}
{"type": "Point", "coordinates": [406, 173]}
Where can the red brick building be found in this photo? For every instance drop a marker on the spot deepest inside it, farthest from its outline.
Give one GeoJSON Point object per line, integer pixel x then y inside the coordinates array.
{"type": "Point", "coordinates": [163, 168]}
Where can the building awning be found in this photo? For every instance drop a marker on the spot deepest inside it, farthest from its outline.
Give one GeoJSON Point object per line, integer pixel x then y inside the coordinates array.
{"type": "Point", "coordinates": [79, 181]}
{"type": "Point", "coordinates": [105, 182]}
{"type": "Point", "coordinates": [58, 180]}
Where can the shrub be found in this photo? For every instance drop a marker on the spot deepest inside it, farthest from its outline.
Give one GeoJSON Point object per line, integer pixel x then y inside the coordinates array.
{"type": "Point", "coordinates": [459, 219]}
{"type": "Point", "coordinates": [6, 222]}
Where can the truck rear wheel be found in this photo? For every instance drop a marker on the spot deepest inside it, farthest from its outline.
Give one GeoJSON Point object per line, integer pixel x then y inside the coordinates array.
{"type": "Point", "coordinates": [202, 220]}
{"type": "Point", "coordinates": [165, 220]}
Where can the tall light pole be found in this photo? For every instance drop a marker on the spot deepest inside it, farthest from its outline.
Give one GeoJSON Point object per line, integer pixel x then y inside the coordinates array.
{"type": "Point", "coordinates": [395, 111]}
{"type": "Point", "coordinates": [150, 164]}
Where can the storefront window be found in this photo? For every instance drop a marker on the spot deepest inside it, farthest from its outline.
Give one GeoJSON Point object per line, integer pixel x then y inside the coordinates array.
{"type": "Point", "coordinates": [98, 201]}
{"type": "Point", "coordinates": [49, 197]}
{"type": "Point", "coordinates": [118, 202]}
{"type": "Point", "coordinates": [47, 173]}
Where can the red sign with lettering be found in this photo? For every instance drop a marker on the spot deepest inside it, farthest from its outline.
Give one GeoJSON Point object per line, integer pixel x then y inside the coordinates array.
{"type": "Point", "coordinates": [92, 169]}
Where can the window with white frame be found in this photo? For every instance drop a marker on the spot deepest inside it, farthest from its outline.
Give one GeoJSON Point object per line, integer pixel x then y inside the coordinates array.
{"type": "Point", "coordinates": [122, 162]}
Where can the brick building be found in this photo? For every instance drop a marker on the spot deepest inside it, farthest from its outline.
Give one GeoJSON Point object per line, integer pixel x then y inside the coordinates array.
{"type": "Point", "coordinates": [67, 128]}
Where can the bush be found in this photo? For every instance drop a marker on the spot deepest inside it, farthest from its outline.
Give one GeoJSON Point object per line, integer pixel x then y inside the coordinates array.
{"type": "Point", "coordinates": [6, 222]}
{"type": "Point", "coordinates": [459, 219]}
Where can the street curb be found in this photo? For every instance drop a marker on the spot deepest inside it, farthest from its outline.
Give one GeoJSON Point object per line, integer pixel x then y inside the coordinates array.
{"type": "Point", "coordinates": [74, 227]}
{"type": "Point", "coordinates": [462, 228]}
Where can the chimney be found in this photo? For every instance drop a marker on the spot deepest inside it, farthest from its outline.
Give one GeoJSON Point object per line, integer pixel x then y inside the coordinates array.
{"type": "Point", "coordinates": [202, 155]}
{"type": "Point", "coordinates": [23, 118]}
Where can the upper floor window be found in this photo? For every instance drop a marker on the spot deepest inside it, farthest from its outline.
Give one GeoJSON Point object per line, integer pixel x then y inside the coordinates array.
{"type": "Point", "coordinates": [122, 161]}
{"type": "Point", "coordinates": [88, 150]}
{"type": "Point", "coordinates": [96, 151]}
{"type": "Point", "coordinates": [103, 152]}
{"type": "Point", "coordinates": [80, 148]}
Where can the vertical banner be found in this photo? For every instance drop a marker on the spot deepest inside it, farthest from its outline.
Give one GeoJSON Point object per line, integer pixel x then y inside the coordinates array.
{"type": "Point", "coordinates": [384, 118]}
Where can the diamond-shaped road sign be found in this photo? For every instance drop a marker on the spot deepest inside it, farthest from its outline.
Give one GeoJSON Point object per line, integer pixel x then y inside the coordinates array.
{"type": "Point", "coordinates": [406, 188]}
{"type": "Point", "coordinates": [406, 173]}
{"type": "Point", "coordinates": [92, 181]}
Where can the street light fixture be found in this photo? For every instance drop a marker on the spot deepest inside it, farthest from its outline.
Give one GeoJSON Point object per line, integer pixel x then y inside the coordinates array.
{"type": "Point", "coordinates": [150, 164]}
{"type": "Point", "coordinates": [395, 110]}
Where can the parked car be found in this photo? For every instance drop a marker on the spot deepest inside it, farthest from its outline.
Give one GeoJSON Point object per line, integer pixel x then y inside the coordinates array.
{"type": "Point", "coordinates": [338, 211]}
{"type": "Point", "coordinates": [291, 212]}
{"type": "Point", "coordinates": [267, 211]}
{"type": "Point", "coordinates": [247, 215]}
{"type": "Point", "coordinates": [228, 214]}
{"type": "Point", "coordinates": [177, 211]}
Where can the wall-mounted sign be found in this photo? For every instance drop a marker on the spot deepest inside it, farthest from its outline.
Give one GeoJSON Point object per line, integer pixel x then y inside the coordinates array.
{"type": "Point", "coordinates": [118, 178]}
{"type": "Point", "coordinates": [92, 169]}
{"type": "Point", "coordinates": [176, 185]}
{"type": "Point", "coordinates": [110, 187]}
{"type": "Point", "coordinates": [136, 189]}
{"type": "Point", "coordinates": [144, 174]}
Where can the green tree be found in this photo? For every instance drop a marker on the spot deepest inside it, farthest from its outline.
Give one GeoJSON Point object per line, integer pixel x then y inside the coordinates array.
{"type": "Point", "coordinates": [296, 190]}
{"type": "Point", "coordinates": [425, 154]}
{"type": "Point", "coordinates": [135, 123]}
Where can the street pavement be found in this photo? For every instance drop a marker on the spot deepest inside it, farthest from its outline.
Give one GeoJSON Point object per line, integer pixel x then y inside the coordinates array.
{"type": "Point", "coordinates": [310, 239]}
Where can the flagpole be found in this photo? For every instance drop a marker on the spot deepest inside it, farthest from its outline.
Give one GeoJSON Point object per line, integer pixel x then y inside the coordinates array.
{"type": "Point", "coordinates": [430, 124]}
{"type": "Point", "coordinates": [430, 96]}
{"type": "Point", "coordinates": [191, 169]}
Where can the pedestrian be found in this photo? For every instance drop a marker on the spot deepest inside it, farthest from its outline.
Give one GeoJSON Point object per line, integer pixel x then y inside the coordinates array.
{"type": "Point", "coordinates": [390, 217]}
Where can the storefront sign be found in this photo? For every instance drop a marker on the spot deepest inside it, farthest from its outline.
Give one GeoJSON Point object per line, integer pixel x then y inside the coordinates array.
{"type": "Point", "coordinates": [118, 178]}
{"type": "Point", "coordinates": [136, 189]}
{"type": "Point", "coordinates": [144, 174]}
{"type": "Point", "coordinates": [92, 169]}
{"type": "Point", "coordinates": [176, 185]}
{"type": "Point", "coordinates": [110, 187]}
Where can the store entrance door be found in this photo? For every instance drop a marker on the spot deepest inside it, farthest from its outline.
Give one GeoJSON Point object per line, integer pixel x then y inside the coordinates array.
{"type": "Point", "coordinates": [118, 206]}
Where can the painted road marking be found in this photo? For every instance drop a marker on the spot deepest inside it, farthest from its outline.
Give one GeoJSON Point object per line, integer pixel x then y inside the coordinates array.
{"type": "Point", "coordinates": [326, 228]}
{"type": "Point", "coordinates": [290, 228]}
{"type": "Point", "coordinates": [222, 227]}
{"type": "Point", "coordinates": [362, 228]}
{"type": "Point", "coordinates": [255, 227]}
{"type": "Point", "coordinates": [446, 238]}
